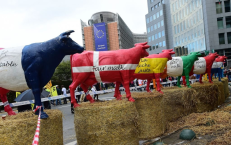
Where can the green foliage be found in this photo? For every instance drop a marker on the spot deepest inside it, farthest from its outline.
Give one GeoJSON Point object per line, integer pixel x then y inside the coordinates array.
{"type": "Point", "coordinates": [62, 72]}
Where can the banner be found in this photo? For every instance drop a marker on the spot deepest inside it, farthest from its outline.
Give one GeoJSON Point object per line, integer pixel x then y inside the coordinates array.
{"type": "Point", "coordinates": [100, 37]}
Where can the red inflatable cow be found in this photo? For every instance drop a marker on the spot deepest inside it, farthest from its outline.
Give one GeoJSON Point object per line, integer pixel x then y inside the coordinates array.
{"type": "Point", "coordinates": [91, 67]}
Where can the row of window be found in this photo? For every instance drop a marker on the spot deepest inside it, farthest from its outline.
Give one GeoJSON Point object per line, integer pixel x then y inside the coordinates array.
{"type": "Point", "coordinates": [158, 45]}
{"type": "Point", "coordinates": [184, 26]}
{"type": "Point", "coordinates": [156, 26]}
{"type": "Point", "coordinates": [222, 38]}
{"type": "Point", "coordinates": [198, 45]}
{"type": "Point", "coordinates": [189, 36]}
{"type": "Point", "coordinates": [156, 5]}
{"type": "Point", "coordinates": [156, 36]}
{"type": "Point", "coordinates": [220, 23]}
{"type": "Point", "coordinates": [184, 13]}
{"type": "Point", "coordinates": [226, 6]}
{"type": "Point", "coordinates": [191, 6]}
{"type": "Point", "coordinates": [155, 16]}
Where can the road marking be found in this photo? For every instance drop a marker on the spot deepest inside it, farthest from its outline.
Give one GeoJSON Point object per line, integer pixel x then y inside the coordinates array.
{"type": "Point", "coordinates": [72, 143]}
{"type": "Point", "coordinates": [64, 106]}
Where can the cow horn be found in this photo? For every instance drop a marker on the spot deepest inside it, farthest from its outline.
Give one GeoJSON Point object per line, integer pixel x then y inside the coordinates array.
{"type": "Point", "coordinates": [67, 33]}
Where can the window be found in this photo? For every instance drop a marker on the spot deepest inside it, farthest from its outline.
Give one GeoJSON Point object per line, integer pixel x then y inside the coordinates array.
{"type": "Point", "coordinates": [149, 39]}
{"type": "Point", "coordinates": [227, 6]}
{"type": "Point", "coordinates": [159, 4]}
{"type": "Point", "coordinates": [176, 5]}
{"type": "Point", "coordinates": [228, 22]}
{"type": "Point", "coordinates": [158, 24]}
{"type": "Point", "coordinates": [177, 17]}
{"type": "Point", "coordinates": [152, 8]}
{"type": "Point", "coordinates": [151, 1]}
{"type": "Point", "coordinates": [222, 38]}
{"type": "Point", "coordinates": [162, 23]}
{"type": "Point", "coordinates": [163, 34]}
{"type": "Point", "coordinates": [156, 36]}
{"type": "Point", "coordinates": [150, 48]}
{"type": "Point", "coordinates": [156, 45]}
{"type": "Point", "coordinates": [175, 29]}
{"type": "Point", "coordinates": [153, 37]}
{"type": "Point", "coordinates": [162, 1]}
{"type": "Point", "coordinates": [157, 15]}
{"type": "Point", "coordinates": [229, 37]}
{"type": "Point", "coordinates": [154, 16]}
{"type": "Point", "coordinates": [173, 7]}
{"type": "Point", "coordinates": [181, 27]}
{"type": "Point", "coordinates": [220, 23]}
{"type": "Point", "coordinates": [153, 47]}
{"type": "Point", "coordinates": [147, 20]}
{"type": "Point", "coordinates": [151, 28]}
{"type": "Point", "coordinates": [179, 3]}
{"type": "Point", "coordinates": [174, 17]}
{"type": "Point", "coordinates": [156, 6]}
{"type": "Point", "coordinates": [178, 28]}
{"type": "Point", "coordinates": [160, 44]}
{"type": "Point", "coordinates": [218, 7]}
{"type": "Point", "coordinates": [159, 34]}
{"type": "Point", "coordinates": [150, 18]}
{"type": "Point", "coordinates": [155, 26]}
{"type": "Point", "coordinates": [161, 12]}
{"type": "Point", "coordinates": [148, 29]}
{"type": "Point", "coordinates": [164, 44]}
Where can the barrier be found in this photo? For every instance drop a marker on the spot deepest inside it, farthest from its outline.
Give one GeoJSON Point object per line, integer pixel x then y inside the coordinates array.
{"type": "Point", "coordinates": [79, 93]}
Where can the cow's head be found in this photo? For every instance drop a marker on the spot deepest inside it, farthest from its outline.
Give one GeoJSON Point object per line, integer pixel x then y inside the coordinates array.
{"type": "Point", "coordinates": [195, 55]}
{"type": "Point", "coordinates": [143, 46]}
{"type": "Point", "coordinates": [69, 46]}
{"type": "Point", "coordinates": [220, 58]}
{"type": "Point", "coordinates": [170, 52]}
{"type": "Point", "coordinates": [213, 55]}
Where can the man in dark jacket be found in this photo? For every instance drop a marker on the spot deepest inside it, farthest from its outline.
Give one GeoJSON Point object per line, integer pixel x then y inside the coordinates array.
{"type": "Point", "coordinates": [59, 93]}
{"type": "Point", "coordinates": [97, 87]}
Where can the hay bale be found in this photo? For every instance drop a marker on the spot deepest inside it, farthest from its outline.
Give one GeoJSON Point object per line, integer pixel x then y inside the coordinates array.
{"type": "Point", "coordinates": [110, 122]}
{"type": "Point", "coordinates": [221, 94]}
{"type": "Point", "coordinates": [207, 96]}
{"type": "Point", "coordinates": [226, 88]}
{"type": "Point", "coordinates": [178, 102]}
{"type": "Point", "coordinates": [222, 140]}
{"type": "Point", "coordinates": [20, 129]}
{"type": "Point", "coordinates": [152, 121]}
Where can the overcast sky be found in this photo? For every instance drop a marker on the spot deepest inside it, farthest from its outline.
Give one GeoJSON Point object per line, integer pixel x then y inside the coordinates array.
{"type": "Point", "coordinates": [24, 22]}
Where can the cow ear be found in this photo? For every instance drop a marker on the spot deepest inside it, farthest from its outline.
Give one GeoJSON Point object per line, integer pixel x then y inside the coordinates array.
{"type": "Point", "coordinates": [145, 46]}
{"type": "Point", "coordinates": [63, 38]}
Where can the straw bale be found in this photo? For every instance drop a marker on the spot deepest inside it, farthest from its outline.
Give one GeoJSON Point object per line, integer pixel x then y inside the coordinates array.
{"type": "Point", "coordinates": [207, 96]}
{"type": "Point", "coordinates": [221, 94]}
{"type": "Point", "coordinates": [178, 102]}
{"type": "Point", "coordinates": [226, 109]}
{"type": "Point", "coordinates": [20, 129]}
{"type": "Point", "coordinates": [110, 122]}
{"type": "Point", "coordinates": [226, 88]}
{"type": "Point", "coordinates": [152, 121]}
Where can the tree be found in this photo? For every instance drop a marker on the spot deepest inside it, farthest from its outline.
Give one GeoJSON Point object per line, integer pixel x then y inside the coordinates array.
{"type": "Point", "coordinates": [62, 72]}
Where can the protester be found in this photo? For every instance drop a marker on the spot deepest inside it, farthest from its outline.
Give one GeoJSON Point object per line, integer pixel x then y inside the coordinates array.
{"type": "Point", "coordinates": [97, 88]}
{"type": "Point", "coordinates": [59, 93]}
{"type": "Point", "coordinates": [64, 91]}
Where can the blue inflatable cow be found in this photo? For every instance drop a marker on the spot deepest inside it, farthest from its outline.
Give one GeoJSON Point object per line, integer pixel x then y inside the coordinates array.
{"type": "Point", "coordinates": [217, 65]}
{"type": "Point", "coordinates": [32, 66]}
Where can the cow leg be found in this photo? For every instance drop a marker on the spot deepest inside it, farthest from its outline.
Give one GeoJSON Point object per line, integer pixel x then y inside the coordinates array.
{"type": "Point", "coordinates": [178, 81]}
{"type": "Point", "coordinates": [3, 97]}
{"type": "Point", "coordinates": [125, 76]}
{"type": "Point", "coordinates": [219, 74]}
{"type": "Point", "coordinates": [200, 80]}
{"type": "Point", "coordinates": [210, 78]}
{"type": "Point", "coordinates": [157, 78]}
{"type": "Point", "coordinates": [184, 82]}
{"type": "Point", "coordinates": [72, 87]}
{"type": "Point", "coordinates": [187, 80]}
{"type": "Point", "coordinates": [148, 84]}
{"type": "Point", "coordinates": [33, 79]}
{"type": "Point", "coordinates": [117, 94]}
{"type": "Point", "coordinates": [88, 96]}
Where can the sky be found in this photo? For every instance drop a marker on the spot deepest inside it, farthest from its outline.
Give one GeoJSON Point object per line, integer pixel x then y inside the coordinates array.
{"type": "Point", "coordinates": [23, 22]}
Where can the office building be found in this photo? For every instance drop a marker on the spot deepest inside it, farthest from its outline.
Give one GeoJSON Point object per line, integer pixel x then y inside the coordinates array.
{"type": "Point", "coordinates": [158, 23]}
{"type": "Point", "coordinates": [108, 31]}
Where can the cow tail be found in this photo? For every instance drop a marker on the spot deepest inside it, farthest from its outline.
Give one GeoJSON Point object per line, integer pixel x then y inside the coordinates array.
{"type": "Point", "coordinates": [71, 67]}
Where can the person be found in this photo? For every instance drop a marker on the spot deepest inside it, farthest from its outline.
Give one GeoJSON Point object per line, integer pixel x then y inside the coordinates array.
{"type": "Point", "coordinates": [229, 74]}
{"type": "Point", "coordinates": [64, 91]}
{"type": "Point", "coordinates": [97, 88]}
{"type": "Point", "coordinates": [79, 89]}
{"type": "Point", "coordinates": [59, 93]}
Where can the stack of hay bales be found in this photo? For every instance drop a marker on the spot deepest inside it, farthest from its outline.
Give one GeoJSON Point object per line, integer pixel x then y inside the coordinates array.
{"type": "Point", "coordinates": [221, 94]}
{"type": "Point", "coordinates": [178, 102]}
{"type": "Point", "coordinates": [152, 121]}
{"type": "Point", "coordinates": [207, 96]}
{"type": "Point", "coordinates": [20, 129]}
{"type": "Point", "coordinates": [111, 122]}
{"type": "Point", "coordinates": [226, 88]}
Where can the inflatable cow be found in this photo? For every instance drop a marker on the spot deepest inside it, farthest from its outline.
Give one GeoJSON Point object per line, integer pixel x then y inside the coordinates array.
{"type": "Point", "coordinates": [32, 66]}
{"type": "Point", "coordinates": [202, 66]}
{"type": "Point", "coordinates": [217, 65]}
{"type": "Point", "coordinates": [181, 66]}
{"type": "Point", "coordinates": [91, 67]}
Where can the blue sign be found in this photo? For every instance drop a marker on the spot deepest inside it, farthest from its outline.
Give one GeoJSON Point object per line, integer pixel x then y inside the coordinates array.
{"type": "Point", "coordinates": [100, 37]}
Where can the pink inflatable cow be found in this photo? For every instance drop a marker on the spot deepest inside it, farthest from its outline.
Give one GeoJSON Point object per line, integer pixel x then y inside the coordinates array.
{"type": "Point", "coordinates": [91, 67]}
